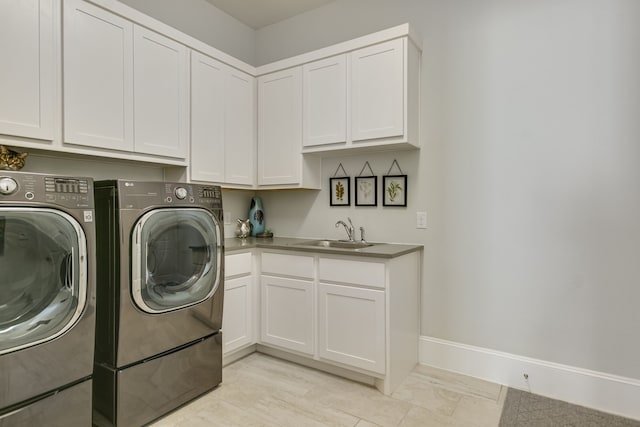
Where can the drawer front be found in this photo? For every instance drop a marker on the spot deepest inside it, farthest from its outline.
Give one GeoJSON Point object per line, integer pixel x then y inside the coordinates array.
{"type": "Point", "coordinates": [355, 272]}
{"type": "Point", "coordinates": [237, 264]}
{"type": "Point", "coordinates": [287, 265]}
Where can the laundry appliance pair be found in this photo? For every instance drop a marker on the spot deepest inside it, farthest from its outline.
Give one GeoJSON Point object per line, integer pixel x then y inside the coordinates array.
{"type": "Point", "coordinates": [110, 298]}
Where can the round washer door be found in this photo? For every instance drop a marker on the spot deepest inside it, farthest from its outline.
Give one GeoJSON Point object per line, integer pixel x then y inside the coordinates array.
{"type": "Point", "coordinates": [176, 258]}
{"type": "Point", "coordinates": [43, 275]}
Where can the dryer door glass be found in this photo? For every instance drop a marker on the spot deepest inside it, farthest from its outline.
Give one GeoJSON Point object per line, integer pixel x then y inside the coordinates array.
{"type": "Point", "coordinates": [43, 275]}
{"type": "Point", "coordinates": [176, 258]}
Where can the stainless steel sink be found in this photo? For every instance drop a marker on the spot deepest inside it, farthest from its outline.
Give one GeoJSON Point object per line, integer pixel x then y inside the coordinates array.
{"type": "Point", "coordinates": [338, 244]}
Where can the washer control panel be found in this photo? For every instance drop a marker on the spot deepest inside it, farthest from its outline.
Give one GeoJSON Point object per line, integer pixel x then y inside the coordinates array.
{"type": "Point", "coordinates": [71, 192]}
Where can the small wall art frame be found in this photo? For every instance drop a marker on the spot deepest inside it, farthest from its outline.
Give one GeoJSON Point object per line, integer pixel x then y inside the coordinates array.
{"type": "Point", "coordinates": [340, 191]}
{"type": "Point", "coordinates": [394, 189]}
{"type": "Point", "coordinates": [366, 190]}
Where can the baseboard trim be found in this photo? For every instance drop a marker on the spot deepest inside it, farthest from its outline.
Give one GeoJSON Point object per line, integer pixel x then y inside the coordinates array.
{"type": "Point", "coordinates": [605, 392]}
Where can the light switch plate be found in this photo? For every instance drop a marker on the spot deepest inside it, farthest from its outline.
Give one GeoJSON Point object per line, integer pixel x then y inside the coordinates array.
{"type": "Point", "coordinates": [421, 220]}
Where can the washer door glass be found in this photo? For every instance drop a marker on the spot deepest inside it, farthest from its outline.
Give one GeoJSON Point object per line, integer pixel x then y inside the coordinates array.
{"type": "Point", "coordinates": [43, 275]}
{"type": "Point", "coordinates": [176, 258]}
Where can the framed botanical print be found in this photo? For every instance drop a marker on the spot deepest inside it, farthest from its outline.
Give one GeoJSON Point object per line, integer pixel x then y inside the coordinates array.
{"type": "Point", "coordinates": [366, 190]}
{"type": "Point", "coordinates": [339, 191]}
{"type": "Point", "coordinates": [394, 189]}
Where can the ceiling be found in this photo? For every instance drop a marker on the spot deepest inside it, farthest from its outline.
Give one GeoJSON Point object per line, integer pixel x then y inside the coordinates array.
{"type": "Point", "coordinates": [260, 13]}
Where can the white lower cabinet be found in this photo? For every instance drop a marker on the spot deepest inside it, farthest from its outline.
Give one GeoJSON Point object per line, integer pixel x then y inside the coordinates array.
{"type": "Point", "coordinates": [287, 313]}
{"type": "Point", "coordinates": [351, 326]}
{"type": "Point", "coordinates": [346, 312]}
{"type": "Point", "coordinates": [239, 308]}
{"type": "Point", "coordinates": [237, 314]}
{"type": "Point", "coordinates": [287, 301]}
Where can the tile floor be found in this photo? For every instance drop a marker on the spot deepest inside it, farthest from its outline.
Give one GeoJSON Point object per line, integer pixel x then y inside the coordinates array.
{"type": "Point", "coordinates": [261, 390]}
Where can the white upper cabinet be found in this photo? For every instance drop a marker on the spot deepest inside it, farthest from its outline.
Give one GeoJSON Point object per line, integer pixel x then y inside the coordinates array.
{"type": "Point", "coordinates": [27, 78]}
{"type": "Point", "coordinates": [325, 101]}
{"type": "Point", "coordinates": [125, 87]}
{"type": "Point", "coordinates": [98, 80]}
{"type": "Point", "coordinates": [280, 159]}
{"type": "Point", "coordinates": [161, 99]}
{"type": "Point", "coordinates": [207, 119]}
{"type": "Point", "coordinates": [377, 91]}
{"type": "Point", "coordinates": [222, 123]}
{"type": "Point", "coordinates": [240, 128]}
{"type": "Point", "coordinates": [367, 98]}
{"type": "Point", "coordinates": [280, 127]}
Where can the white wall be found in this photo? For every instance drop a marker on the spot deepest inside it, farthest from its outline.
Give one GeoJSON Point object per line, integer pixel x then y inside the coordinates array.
{"type": "Point", "coordinates": [204, 22]}
{"type": "Point", "coordinates": [529, 171]}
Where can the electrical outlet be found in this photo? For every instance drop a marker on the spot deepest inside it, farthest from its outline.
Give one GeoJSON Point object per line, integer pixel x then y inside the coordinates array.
{"type": "Point", "coordinates": [421, 220]}
{"type": "Point", "coordinates": [227, 217]}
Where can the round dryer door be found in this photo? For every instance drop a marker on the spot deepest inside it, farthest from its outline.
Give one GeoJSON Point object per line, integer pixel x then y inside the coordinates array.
{"type": "Point", "coordinates": [43, 275]}
{"type": "Point", "coordinates": [176, 258]}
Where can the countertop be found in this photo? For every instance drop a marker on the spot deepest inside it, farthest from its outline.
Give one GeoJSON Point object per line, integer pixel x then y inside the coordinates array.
{"type": "Point", "coordinates": [378, 250]}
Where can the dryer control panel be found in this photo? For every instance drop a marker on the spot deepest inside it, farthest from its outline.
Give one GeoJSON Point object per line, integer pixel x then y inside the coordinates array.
{"type": "Point", "coordinates": [142, 195]}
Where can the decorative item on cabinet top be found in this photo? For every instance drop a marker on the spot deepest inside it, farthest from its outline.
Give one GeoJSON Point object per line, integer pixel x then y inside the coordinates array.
{"type": "Point", "coordinates": [10, 159]}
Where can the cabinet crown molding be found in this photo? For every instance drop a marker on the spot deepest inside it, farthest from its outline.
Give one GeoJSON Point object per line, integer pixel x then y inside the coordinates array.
{"type": "Point", "coordinates": [403, 30]}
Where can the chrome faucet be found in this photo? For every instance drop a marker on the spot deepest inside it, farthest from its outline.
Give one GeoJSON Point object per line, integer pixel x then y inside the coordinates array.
{"type": "Point", "coordinates": [350, 229]}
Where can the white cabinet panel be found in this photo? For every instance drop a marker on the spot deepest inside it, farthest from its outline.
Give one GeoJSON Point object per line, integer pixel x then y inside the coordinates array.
{"type": "Point", "coordinates": [377, 91]}
{"type": "Point", "coordinates": [240, 128]}
{"type": "Point", "coordinates": [222, 122]}
{"type": "Point", "coordinates": [207, 119]}
{"type": "Point", "coordinates": [350, 271]}
{"type": "Point", "coordinates": [160, 95]}
{"type": "Point", "coordinates": [98, 80]}
{"type": "Point", "coordinates": [280, 127]}
{"type": "Point", "coordinates": [287, 313]}
{"type": "Point", "coordinates": [325, 101]}
{"type": "Point", "coordinates": [237, 315]}
{"type": "Point", "coordinates": [288, 265]}
{"type": "Point", "coordinates": [27, 71]}
{"type": "Point", "coordinates": [237, 264]}
{"type": "Point", "coordinates": [351, 326]}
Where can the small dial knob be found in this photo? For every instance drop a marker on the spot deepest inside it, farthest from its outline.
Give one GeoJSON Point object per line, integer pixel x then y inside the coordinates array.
{"type": "Point", "coordinates": [8, 185]}
{"type": "Point", "coordinates": [181, 193]}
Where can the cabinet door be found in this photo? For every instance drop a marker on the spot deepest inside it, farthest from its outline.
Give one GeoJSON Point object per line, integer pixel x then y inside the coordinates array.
{"type": "Point", "coordinates": [160, 95]}
{"type": "Point", "coordinates": [207, 119]}
{"type": "Point", "coordinates": [351, 326]}
{"type": "Point", "coordinates": [98, 79]}
{"type": "Point", "coordinates": [280, 127]}
{"type": "Point", "coordinates": [237, 315]}
{"type": "Point", "coordinates": [377, 91]}
{"type": "Point", "coordinates": [240, 128]}
{"type": "Point", "coordinates": [27, 71]}
{"type": "Point", "coordinates": [287, 313]}
{"type": "Point", "coordinates": [325, 101]}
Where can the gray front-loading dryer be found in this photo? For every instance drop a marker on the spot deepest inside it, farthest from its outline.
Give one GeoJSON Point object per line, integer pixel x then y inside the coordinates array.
{"type": "Point", "coordinates": [47, 299]}
{"type": "Point", "coordinates": [160, 295]}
